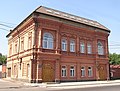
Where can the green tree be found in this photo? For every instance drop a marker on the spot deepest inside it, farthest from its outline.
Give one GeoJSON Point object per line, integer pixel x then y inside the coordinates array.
{"type": "Point", "coordinates": [3, 59]}
{"type": "Point", "coordinates": [114, 58]}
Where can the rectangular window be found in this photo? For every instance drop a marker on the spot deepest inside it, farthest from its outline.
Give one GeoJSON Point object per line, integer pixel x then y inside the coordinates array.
{"type": "Point", "coordinates": [10, 50]}
{"type": "Point", "coordinates": [89, 71]}
{"type": "Point", "coordinates": [16, 48]}
{"type": "Point", "coordinates": [82, 47]}
{"type": "Point", "coordinates": [100, 48]}
{"type": "Point", "coordinates": [22, 44]}
{"type": "Point", "coordinates": [89, 49]}
{"type": "Point", "coordinates": [64, 73]}
{"type": "Point", "coordinates": [82, 71]}
{"type": "Point", "coordinates": [72, 71]}
{"type": "Point", "coordinates": [72, 46]}
{"type": "Point", "coordinates": [29, 42]}
{"type": "Point", "coordinates": [64, 45]}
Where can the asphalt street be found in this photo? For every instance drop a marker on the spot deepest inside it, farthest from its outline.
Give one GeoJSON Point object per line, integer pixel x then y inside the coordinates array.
{"type": "Point", "coordinates": [102, 88]}
{"type": "Point", "coordinates": [106, 88]}
{"type": "Point", "coordinates": [19, 86]}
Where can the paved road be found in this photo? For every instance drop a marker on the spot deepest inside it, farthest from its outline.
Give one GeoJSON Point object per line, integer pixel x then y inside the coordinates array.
{"type": "Point", "coordinates": [18, 86]}
{"type": "Point", "coordinates": [105, 88]}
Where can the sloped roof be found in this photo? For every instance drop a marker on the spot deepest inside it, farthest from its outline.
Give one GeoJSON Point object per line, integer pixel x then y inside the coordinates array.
{"type": "Point", "coordinates": [60, 14]}
{"type": "Point", "coordinates": [71, 17]}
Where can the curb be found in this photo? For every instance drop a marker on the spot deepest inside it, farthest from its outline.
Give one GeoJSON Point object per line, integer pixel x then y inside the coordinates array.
{"type": "Point", "coordinates": [69, 85]}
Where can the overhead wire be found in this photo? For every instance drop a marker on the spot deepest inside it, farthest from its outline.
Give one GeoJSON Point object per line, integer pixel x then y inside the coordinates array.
{"type": "Point", "coordinates": [114, 45]}
{"type": "Point", "coordinates": [5, 29]}
{"type": "Point", "coordinates": [6, 25]}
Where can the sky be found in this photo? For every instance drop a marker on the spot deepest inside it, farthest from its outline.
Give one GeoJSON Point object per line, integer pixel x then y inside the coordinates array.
{"type": "Point", "coordinates": [106, 12]}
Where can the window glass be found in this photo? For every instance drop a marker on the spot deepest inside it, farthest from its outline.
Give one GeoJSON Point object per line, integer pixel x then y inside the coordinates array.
{"type": "Point", "coordinates": [72, 46]}
{"type": "Point", "coordinates": [16, 47]}
{"type": "Point", "coordinates": [89, 48]}
{"type": "Point", "coordinates": [82, 47]}
{"type": "Point", "coordinates": [22, 45]}
{"type": "Point", "coordinates": [64, 45]}
{"type": "Point", "coordinates": [72, 71]}
{"type": "Point", "coordinates": [10, 50]}
{"type": "Point", "coordinates": [89, 71]}
{"type": "Point", "coordinates": [63, 71]}
{"type": "Point", "coordinates": [29, 42]}
{"type": "Point", "coordinates": [47, 41]}
{"type": "Point", "coordinates": [100, 49]}
{"type": "Point", "coordinates": [82, 71]}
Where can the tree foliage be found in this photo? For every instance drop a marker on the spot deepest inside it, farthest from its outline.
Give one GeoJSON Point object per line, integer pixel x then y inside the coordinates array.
{"type": "Point", "coordinates": [3, 59]}
{"type": "Point", "coordinates": [114, 58]}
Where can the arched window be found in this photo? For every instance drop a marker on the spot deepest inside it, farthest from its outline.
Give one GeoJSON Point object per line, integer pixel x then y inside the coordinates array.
{"type": "Point", "coordinates": [72, 71]}
{"type": "Point", "coordinates": [100, 48]}
{"type": "Point", "coordinates": [83, 71]}
{"type": "Point", "coordinates": [47, 41]}
{"type": "Point", "coordinates": [89, 71]}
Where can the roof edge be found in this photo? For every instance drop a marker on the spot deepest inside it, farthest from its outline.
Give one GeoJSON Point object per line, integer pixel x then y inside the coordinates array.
{"type": "Point", "coordinates": [36, 11]}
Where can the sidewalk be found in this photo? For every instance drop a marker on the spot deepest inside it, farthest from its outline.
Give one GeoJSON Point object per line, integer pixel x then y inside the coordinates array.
{"type": "Point", "coordinates": [9, 83]}
{"type": "Point", "coordinates": [66, 85]}
{"type": "Point", "coordinates": [76, 84]}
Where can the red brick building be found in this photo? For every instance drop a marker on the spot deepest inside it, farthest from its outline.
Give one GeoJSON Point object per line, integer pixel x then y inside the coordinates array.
{"type": "Point", "coordinates": [4, 70]}
{"type": "Point", "coordinates": [50, 45]}
{"type": "Point", "coordinates": [115, 71]}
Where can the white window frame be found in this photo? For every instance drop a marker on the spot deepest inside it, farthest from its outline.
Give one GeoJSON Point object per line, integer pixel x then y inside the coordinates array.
{"type": "Point", "coordinates": [64, 45]}
{"type": "Point", "coordinates": [90, 71]}
{"type": "Point", "coordinates": [100, 48]}
{"type": "Point", "coordinates": [82, 47]}
{"type": "Point", "coordinates": [63, 71]}
{"type": "Point", "coordinates": [72, 71]}
{"type": "Point", "coordinates": [89, 48]}
{"type": "Point", "coordinates": [83, 71]}
{"type": "Point", "coordinates": [72, 45]}
{"type": "Point", "coordinates": [48, 41]}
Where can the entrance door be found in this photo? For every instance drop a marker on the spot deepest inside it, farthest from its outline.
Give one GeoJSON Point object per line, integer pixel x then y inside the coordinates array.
{"type": "Point", "coordinates": [48, 72]}
{"type": "Point", "coordinates": [9, 72]}
{"type": "Point", "coordinates": [102, 72]}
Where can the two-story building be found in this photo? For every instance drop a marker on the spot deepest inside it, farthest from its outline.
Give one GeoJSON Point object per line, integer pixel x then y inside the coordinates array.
{"type": "Point", "coordinates": [50, 45]}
